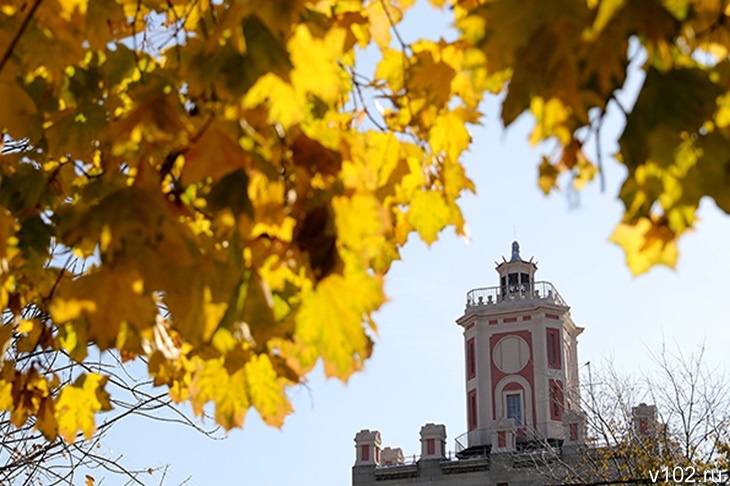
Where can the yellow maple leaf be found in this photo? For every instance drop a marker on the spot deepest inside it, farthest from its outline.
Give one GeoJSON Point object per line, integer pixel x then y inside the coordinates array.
{"type": "Point", "coordinates": [449, 135]}
{"type": "Point", "coordinates": [316, 69]}
{"type": "Point", "coordinates": [105, 299]}
{"type": "Point", "coordinates": [429, 214]}
{"type": "Point", "coordinates": [646, 244]}
{"type": "Point", "coordinates": [334, 326]}
{"type": "Point", "coordinates": [213, 382]}
{"type": "Point", "coordinates": [286, 105]}
{"type": "Point", "coordinates": [266, 390]}
{"type": "Point", "coordinates": [391, 68]}
{"type": "Point", "coordinates": [361, 223]}
{"type": "Point", "coordinates": [76, 405]}
{"type": "Point", "coordinates": [381, 21]}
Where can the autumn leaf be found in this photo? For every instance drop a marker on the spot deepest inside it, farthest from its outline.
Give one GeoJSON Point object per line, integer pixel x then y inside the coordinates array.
{"type": "Point", "coordinates": [333, 326]}
{"type": "Point", "coordinates": [428, 214]}
{"type": "Point", "coordinates": [212, 155]}
{"type": "Point", "coordinates": [266, 390]}
{"type": "Point", "coordinates": [212, 382]}
{"type": "Point", "coordinates": [547, 179]}
{"type": "Point", "coordinates": [77, 404]}
{"type": "Point", "coordinates": [105, 301]}
{"type": "Point", "coordinates": [646, 243]}
{"type": "Point", "coordinates": [449, 135]}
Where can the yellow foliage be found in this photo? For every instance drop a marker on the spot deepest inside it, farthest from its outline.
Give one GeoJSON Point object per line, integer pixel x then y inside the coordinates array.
{"type": "Point", "coordinates": [428, 213]}
{"type": "Point", "coordinates": [212, 382]}
{"type": "Point", "coordinates": [77, 404]}
{"type": "Point", "coordinates": [235, 177]}
{"type": "Point", "coordinates": [332, 325]}
{"type": "Point", "coordinates": [449, 135]}
{"type": "Point", "coordinates": [647, 243]}
{"type": "Point", "coordinates": [550, 117]}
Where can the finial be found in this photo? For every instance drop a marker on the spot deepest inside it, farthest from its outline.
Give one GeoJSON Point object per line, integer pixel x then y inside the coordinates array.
{"type": "Point", "coordinates": [515, 252]}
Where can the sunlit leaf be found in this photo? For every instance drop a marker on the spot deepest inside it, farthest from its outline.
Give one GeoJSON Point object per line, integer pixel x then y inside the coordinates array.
{"type": "Point", "coordinates": [428, 214]}
{"type": "Point", "coordinates": [77, 404]}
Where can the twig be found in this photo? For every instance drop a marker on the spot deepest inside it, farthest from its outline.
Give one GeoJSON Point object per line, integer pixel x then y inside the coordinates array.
{"type": "Point", "coordinates": [23, 26]}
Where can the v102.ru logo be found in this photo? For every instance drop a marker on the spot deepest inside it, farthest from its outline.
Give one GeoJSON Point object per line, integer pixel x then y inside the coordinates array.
{"type": "Point", "coordinates": [690, 475]}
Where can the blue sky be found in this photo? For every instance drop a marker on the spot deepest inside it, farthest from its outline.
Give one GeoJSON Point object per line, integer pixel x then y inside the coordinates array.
{"type": "Point", "coordinates": [416, 373]}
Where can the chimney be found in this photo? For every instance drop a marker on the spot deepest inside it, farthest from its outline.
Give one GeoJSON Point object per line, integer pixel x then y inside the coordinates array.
{"type": "Point", "coordinates": [433, 441]}
{"type": "Point", "coordinates": [645, 420]}
{"type": "Point", "coordinates": [574, 423]}
{"type": "Point", "coordinates": [392, 456]}
{"type": "Point", "coordinates": [503, 435]}
{"type": "Point", "coordinates": [367, 448]}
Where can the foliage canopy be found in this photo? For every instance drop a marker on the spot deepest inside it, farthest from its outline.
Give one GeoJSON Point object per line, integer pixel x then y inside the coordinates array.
{"type": "Point", "coordinates": [212, 159]}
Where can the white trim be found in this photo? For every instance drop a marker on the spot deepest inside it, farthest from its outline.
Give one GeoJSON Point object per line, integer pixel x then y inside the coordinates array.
{"type": "Point", "coordinates": [501, 404]}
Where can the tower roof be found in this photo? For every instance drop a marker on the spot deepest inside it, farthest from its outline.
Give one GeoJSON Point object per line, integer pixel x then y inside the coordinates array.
{"type": "Point", "coordinates": [515, 252]}
{"type": "Point", "coordinates": [516, 260]}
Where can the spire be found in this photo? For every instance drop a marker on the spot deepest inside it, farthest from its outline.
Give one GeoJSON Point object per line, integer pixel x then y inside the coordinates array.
{"type": "Point", "coordinates": [515, 252]}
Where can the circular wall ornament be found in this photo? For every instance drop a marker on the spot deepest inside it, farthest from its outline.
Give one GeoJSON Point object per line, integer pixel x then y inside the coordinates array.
{"type": "Point", "coordinates": [511, 354]}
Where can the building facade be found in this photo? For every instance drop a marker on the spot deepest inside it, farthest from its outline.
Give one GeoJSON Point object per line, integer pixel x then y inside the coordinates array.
{"type": "Point", "coordinates": [522, 394]}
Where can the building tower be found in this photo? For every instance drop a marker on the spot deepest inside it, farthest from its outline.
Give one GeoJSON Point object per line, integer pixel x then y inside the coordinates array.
{"type": "Point", "coordinates": [521, 364]}
{"type": "Point", "coordinates": [524, 423]}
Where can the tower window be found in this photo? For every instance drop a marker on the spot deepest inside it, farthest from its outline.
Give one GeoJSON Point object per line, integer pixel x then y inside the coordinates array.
{"type": "Point", "coordinates": [471, 364]}
{"type": "Point", "coordinates": [553, 348]}
{"type": "Point", "coordinates": [556, 400]}
{"type": "Point", "coordinates": [514, 408]}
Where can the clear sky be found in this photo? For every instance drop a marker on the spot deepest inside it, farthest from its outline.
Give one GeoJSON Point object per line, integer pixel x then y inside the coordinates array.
{"type": "Point", "coordinates": [416, 373]}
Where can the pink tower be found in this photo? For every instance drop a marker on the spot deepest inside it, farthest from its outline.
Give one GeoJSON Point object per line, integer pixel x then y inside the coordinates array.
{"type": "Point", "coordinates": [521, 364]}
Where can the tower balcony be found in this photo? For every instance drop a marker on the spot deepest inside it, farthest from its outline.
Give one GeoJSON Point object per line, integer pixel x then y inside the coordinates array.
{"type": "Point", "coordinates": [481, 441]}
{"type": "Point", "coordinates": [538, 292]}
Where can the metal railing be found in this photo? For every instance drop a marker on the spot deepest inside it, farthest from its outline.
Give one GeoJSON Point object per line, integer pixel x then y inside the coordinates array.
{"type": "Point", "coordinates": [413, 459]}
{"type": "Point", "coordinates": [523, 434]}
{"type": "Point", "coordinates": [538, 291]}
{"type": "Point", "coordinates": [471, 438]}
{"type": "Point", "coordinates": [408, 460]}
